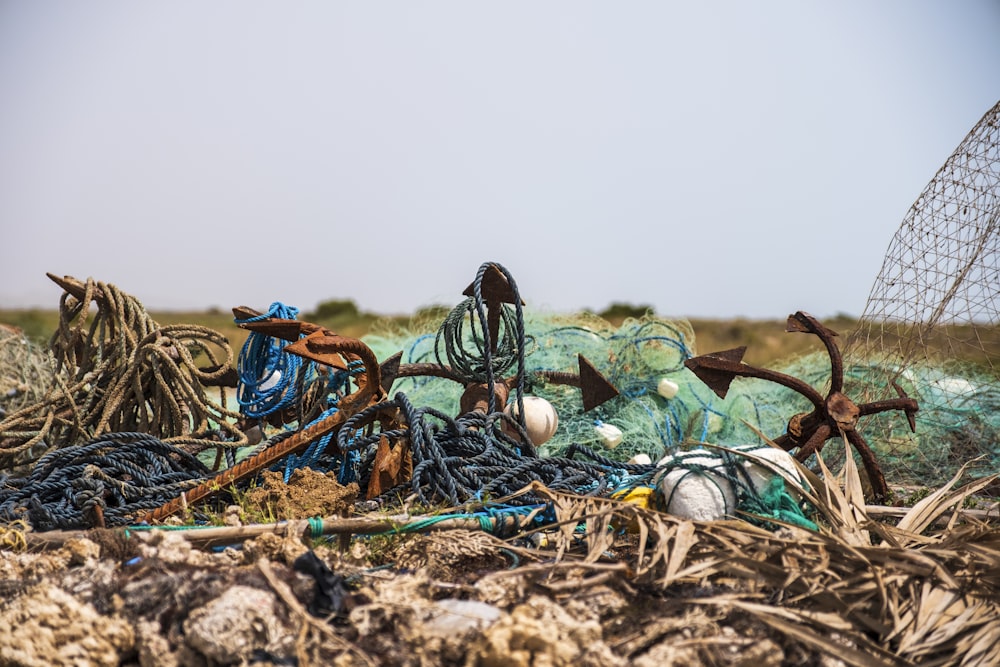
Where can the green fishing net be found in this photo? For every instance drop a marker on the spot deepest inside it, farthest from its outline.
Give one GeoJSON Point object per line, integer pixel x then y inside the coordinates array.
{"type": "Point", "coordinates": [957, 420]}
{"type": "Point", "coordinates": [634, 357]}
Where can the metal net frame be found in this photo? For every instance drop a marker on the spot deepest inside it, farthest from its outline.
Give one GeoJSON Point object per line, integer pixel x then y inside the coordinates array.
{"type": "Point", "coordinates": [932, 323]}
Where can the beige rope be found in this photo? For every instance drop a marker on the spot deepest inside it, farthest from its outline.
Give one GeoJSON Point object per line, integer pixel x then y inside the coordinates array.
{"type": "Point", "coordinates": [117, 370]}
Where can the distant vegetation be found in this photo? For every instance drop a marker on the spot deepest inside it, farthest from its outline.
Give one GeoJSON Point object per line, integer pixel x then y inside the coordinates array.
{"type": "Point", "coordinates": [618, 311]}
{"type": "Point", "coordinates": [766, 340]}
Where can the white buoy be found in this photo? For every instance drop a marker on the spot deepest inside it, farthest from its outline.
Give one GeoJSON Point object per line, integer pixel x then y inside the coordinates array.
{"type": "Point", "coordinates": [697, 495]}
{"type": "Point", "coordinates": [761, 474]}
{"type": "Point", "coordinates": [272, 381]}
{"type": "Point", "coordinates": [611, 436]}
{"type": "Point", "coordinates": [667, 388]}
{"type": "Point", "coordinates": [641, 459]}
{"type": "Point", "coordinates": [698, 488]}
{"type": "Point", "coordinates": [540, 418]}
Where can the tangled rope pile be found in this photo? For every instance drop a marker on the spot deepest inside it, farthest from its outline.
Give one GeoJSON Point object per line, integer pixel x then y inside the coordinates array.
{"type": "Point", "coordinates": [477, 455]}
{"type": "Point", "coordinates": [133, 392]}
{"type": "Point", "coordinates": [104, 482]}
{"type": "Point", "coordinates": [120, 372]}
{"type": "Point", "coordinates": [472, 458]}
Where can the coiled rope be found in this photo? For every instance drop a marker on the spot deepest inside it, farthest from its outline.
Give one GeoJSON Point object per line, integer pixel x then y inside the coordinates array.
{"type": "Point", "coordinates": [115, 476]}
{"type": "Point", "coordinates": [481, 364]}
{"type": "Point", "coordinates": [268, 376]}
{"type": "Point", "coordinates": [119, 371]}
{"type": "Point", "coordinates": [472, 458]}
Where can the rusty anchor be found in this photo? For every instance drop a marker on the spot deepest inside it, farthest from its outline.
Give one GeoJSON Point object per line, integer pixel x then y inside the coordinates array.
{"type": "Point", "coordinates": [313, 342]}
{"type": "Point", "coordinates": [832, 415]}
{"type": "Point", "coordinates": [495, 289]}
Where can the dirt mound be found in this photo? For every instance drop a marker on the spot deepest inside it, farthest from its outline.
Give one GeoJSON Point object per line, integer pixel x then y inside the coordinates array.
{"type": "Point", "coordinates": [307, 493]}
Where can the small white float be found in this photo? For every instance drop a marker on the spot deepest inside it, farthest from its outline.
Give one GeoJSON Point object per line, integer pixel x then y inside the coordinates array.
{"type": "Point", "coordinates": [610, 435]}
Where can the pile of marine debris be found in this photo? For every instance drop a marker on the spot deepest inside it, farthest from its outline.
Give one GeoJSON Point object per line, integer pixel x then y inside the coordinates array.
{"type": "Point", "coordinates": [328, 520]}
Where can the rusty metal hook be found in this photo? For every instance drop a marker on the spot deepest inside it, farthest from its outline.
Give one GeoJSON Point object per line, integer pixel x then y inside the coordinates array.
{"type": "Point", "coordinates": [832, 415]}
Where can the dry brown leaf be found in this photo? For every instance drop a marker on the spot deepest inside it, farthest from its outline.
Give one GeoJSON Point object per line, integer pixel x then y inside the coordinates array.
{"type": "Point", "coordinates": [903, 600]}
{"type": "Point", "coordinates": [847, 517]}
{"type": "Point", "coordinates": [981, 647]}
{"type": "Point", "coordinates": [684, 539]}
{"type": "Point", "coordinates": [799, 626]}
{"type": "Point", "coordinates": [925, 512]}
{"type": "Point", "coordinates": [600, 534]}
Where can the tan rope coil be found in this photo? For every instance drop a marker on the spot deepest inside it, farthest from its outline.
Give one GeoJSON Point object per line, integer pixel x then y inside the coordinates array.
{"type": "Point", "coordinates": [117, 370]}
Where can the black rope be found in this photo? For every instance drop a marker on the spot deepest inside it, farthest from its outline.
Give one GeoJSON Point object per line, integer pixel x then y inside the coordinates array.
{"type": "Point", "coordinates": [116, 475]}
{"type": "Point", "coordinates": [472, 458]}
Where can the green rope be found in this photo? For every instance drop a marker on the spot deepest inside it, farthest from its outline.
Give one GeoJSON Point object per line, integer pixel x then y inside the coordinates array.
{"type": "Point", "coordinates": [775, 502]}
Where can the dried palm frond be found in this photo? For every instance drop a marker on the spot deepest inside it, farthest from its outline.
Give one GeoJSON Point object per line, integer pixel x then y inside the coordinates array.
{"type": "Point", "coordinates": [870, 593]}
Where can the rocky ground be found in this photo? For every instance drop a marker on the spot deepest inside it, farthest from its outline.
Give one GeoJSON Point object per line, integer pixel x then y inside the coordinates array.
{"type": "Point", "coordinates": [458, 603]}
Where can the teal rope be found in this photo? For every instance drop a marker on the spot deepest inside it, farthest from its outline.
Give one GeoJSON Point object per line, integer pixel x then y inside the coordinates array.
{"type": "Point", "coordinates": [316, 526]}
{"type": "Point", "coordinates": [773, 502]}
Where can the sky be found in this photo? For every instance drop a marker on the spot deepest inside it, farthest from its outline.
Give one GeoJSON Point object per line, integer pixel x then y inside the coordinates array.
{"type": "Point", "coordinates": [714, 159]}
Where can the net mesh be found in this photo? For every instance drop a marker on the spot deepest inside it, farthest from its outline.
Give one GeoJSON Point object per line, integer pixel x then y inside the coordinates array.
{"type": "Point", "coordinates": [635, 357]}
{"type": "Point", "coordinates": [931, 321]}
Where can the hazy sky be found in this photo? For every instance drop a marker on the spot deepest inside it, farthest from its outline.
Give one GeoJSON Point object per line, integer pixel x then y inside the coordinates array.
{"type": "Point", "coordinates": [723, 159]}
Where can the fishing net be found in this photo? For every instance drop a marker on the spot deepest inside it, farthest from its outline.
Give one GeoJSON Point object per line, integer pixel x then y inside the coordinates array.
{"type": "Point", "coordinates": [931, 321]}
{"type": "Point", "coordinates": [930, 329]}
{"type": "Point", "coordinates": [25, 368]}
{"type": "Point", "coordinates": [635, 357]}
{"type": "Point", "coordinates": [661, 408]}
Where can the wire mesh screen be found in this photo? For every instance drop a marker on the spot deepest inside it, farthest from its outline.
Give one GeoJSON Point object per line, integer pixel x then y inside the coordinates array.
{"type": "Point", "coordinates": [931, 322]}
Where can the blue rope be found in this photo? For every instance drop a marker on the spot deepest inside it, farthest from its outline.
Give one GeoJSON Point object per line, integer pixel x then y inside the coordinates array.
{"type": "Point", "coordinates": [268, 376]}
{"type": "Point", "coordinates": [312, 454]}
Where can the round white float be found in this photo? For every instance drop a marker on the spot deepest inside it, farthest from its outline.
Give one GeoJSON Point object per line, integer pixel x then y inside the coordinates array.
{"type": "Point", "coordinates": [540, 419]}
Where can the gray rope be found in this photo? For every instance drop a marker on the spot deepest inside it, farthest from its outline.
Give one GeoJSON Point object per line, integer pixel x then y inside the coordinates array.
{"type": "Point", "coordinates": [120, 473]}
{"type": "Point", "coordinates": [471, 458]}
